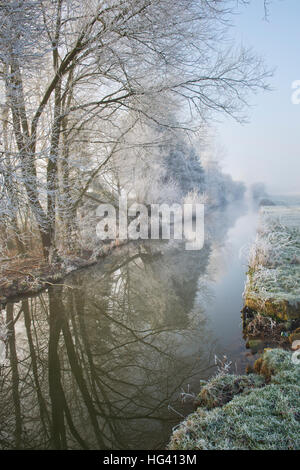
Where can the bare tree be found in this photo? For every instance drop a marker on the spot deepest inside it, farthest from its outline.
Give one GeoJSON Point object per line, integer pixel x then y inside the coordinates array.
{"type": "Point", "coordinates": [74, 72]}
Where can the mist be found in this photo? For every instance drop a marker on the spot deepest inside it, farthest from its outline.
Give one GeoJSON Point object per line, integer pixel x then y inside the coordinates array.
{"type": "Point", "coordinates": [267, 146]}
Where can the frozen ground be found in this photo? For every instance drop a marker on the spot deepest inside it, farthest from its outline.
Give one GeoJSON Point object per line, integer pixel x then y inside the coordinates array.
{"type": "Point", "coordinates": [252, 412]}
{"type": "Point", "coordinates": [273, 283]}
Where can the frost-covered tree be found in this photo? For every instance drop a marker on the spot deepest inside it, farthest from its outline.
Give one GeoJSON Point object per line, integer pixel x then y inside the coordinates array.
{"type": "Point", "coordinates": [73, 73]}
{"type": "Point", "coordinates": [183, 166]}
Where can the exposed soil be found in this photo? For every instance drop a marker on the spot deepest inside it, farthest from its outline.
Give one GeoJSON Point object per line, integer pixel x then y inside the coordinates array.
{"type": "Point", "coordinates": [262, 332]}
{"type": "Point", "coordinates": [26, 276]}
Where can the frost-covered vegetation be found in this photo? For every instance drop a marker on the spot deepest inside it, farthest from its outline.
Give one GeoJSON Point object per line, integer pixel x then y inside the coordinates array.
{"type": "Point", "coordinates": [247, 412]}
{"type": "Point", "coordinates": [222, 389]}
{"type": "Point", "coordinates": [273, 284]}
{"type": "Point", "coordinates": [100, 94]}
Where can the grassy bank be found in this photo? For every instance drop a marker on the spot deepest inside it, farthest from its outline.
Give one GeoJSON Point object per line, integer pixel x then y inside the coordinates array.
{"type": "Point", "coordinates": [273, 282]}
{"type": "Point", "coordinates": [255, 412]}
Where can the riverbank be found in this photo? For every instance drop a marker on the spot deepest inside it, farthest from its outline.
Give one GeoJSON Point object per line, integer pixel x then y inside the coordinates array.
{"type": "Point", "coordinates": [260, 410]}
{"type": "Point", "coordinates": [28, 276]}
{"type": "Point", "coordinates": [273, 282]}
{"type": "Point", "coordinates": [271, 315]}
{"type": "Point", "coordinates": [253, 412]}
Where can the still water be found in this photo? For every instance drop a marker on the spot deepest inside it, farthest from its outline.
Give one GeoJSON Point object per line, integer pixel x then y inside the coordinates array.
{"type": "Point", "coordinates": [113, 358]}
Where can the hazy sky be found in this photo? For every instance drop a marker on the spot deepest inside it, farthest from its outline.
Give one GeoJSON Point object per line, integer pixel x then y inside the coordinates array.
{"type": "Point", "coordinates": [268, 147]}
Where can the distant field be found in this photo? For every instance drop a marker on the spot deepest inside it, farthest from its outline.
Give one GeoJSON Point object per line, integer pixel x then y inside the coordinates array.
{"type": "Point", "coordinates": [286, 200]}
{"type": "Point", "coordinates": [289, 216]}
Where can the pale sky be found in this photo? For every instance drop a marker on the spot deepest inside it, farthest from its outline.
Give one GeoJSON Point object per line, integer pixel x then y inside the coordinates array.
{"type": "Point", "coordinates": [268, 147]}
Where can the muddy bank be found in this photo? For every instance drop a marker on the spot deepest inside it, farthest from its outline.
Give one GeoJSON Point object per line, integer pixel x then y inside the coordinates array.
{"type": "Point", "coordinates": [22, 277]}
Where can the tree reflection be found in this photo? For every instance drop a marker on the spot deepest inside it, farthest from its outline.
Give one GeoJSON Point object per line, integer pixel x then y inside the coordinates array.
{"type": "Point", "coordinates": [96, 366]}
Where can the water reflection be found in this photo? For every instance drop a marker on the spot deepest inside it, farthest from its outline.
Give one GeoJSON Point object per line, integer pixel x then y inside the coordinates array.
{"type": "Point", "coordinates": [100, 362]}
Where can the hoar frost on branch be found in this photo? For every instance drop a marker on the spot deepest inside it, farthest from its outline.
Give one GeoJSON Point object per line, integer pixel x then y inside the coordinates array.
{"type": "Point", "coordinates": [83, 82]}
